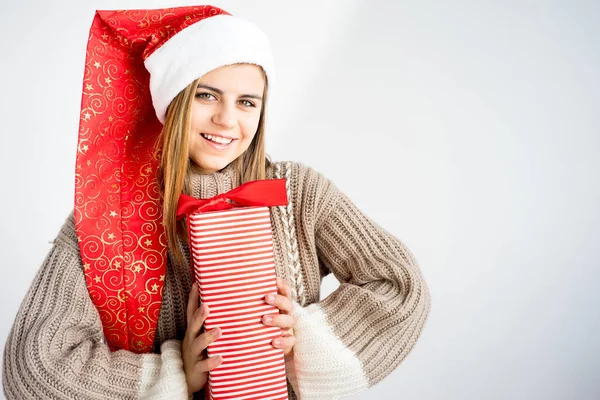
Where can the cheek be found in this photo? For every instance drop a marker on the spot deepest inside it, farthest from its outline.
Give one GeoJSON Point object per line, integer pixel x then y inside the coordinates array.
{"type": "Point", "coordinates": [197, 116]}
{"type": "Point", "coordinates": [249, 125]}
{"type": "Point", "coordinates": [194, 137]}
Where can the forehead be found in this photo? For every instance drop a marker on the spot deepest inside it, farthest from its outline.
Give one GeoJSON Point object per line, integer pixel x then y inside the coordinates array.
{"type": "Point", "coordinates": [237, 78]}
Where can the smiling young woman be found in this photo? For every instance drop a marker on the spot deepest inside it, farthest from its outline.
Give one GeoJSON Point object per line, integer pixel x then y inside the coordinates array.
{"type": "Point", "coordinates": [210, 125]}
{"type": "Point", "coordinates": [225, 115]}
{"type": "Point", "coordinates": [174, 103]}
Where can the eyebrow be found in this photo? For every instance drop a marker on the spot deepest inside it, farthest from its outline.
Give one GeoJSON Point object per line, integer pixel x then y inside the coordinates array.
{"type": "Point", "coordinates": [219, 91]}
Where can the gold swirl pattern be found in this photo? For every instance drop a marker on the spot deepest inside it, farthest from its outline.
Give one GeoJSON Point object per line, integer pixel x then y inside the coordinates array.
{"type": "Point", "coordinates": [117, 203]}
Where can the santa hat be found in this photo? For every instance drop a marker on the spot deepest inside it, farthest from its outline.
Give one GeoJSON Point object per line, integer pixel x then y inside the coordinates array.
{"type": "Point", "coordinates": [137, 61]}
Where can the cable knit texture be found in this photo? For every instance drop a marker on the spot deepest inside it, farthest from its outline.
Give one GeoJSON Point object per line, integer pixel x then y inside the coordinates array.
{"type": "Point", "coordinates": [164, 378]}
{"type": "Point", "coordinates": [346, 343]}
{"type": "Point", "coordinates": [324, 367]}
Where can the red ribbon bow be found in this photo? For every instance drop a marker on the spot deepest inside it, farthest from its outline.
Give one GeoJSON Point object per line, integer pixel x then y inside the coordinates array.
{"type": "Point", "coordinates": [267, 193]}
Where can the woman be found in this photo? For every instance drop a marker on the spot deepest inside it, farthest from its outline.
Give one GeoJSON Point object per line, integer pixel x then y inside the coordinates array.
{"type": "Point", "coordinates": [174, 102]}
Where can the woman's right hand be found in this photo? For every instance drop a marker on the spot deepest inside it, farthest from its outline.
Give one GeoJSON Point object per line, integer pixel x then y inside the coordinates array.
{"type": "Point", "coordinates": [195, 363]}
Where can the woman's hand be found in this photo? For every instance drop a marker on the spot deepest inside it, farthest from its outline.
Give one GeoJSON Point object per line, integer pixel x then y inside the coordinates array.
{"type": "Point", "coordinates": [284, 320]}
{"type": "Point", "coordinates": [195, 363]}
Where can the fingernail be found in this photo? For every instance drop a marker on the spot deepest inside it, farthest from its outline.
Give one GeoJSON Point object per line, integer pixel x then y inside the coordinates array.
{"type": "Point", "coordinates": [270, 298]}
{"type": "Point", "coordinates": [216, 332]}
{"type": "Point", "coordinates": [277, 342]}
{"type": "Point", "coordinates": [268, 319]}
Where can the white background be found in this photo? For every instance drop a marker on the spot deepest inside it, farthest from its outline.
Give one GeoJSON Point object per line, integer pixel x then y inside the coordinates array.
{"type": "Point", "coordinates": [469, 129]}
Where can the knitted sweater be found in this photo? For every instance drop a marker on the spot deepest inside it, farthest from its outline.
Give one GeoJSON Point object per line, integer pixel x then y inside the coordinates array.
{"type": "Point", "coordinates": [345, 343]}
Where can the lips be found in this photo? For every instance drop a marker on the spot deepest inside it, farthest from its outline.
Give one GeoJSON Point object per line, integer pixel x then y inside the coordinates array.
{"type": "Point", "coordinates": [217, 138]}
{"type": "Point", "coordinates": [217, 141]}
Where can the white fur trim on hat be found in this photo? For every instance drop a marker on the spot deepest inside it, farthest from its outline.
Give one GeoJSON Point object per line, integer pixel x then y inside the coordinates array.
{"type": "Point", "coordinates": [198, 49]}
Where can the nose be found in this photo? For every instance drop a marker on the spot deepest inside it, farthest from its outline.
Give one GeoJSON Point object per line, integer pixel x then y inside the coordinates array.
{"type": "Point", "coordinates": [224, 116]}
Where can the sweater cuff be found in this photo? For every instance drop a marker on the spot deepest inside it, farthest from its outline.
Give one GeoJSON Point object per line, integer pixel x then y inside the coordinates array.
{"type": "Point", "coordinates": [324, 367]}
{"type": "Point", "coordinates": [162, 374]}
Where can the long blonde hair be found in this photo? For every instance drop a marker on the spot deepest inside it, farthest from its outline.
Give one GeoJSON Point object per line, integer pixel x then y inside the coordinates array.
{"type": "Point", "coordinates": [176, 167]}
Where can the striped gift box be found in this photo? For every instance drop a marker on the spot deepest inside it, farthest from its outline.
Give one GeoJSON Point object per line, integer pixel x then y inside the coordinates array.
{"type": "Point", "coordinates": [232, 261]}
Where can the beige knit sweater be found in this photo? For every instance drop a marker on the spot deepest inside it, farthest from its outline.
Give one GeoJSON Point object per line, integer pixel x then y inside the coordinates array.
{"type": "Point", "coordinates": [345, 343]}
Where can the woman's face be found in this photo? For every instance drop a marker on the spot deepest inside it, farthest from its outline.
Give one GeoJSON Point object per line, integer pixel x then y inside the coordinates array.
{"type": "Point", "coordinates": [225, 115]}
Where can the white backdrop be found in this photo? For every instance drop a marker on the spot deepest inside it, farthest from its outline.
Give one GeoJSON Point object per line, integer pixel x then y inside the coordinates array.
{"type": "Point", "coordinates": [469, 129]}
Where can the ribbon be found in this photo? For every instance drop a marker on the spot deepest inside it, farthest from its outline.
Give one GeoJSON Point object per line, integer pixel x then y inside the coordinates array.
{"type": "Point", "coordinates": [266, 193]}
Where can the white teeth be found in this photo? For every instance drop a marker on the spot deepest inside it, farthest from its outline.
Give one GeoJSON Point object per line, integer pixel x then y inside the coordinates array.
{"type": "Point", "coordinates": [218, 139]}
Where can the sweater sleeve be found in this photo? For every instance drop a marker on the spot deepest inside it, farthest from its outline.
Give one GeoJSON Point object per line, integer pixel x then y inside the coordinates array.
{"type": "Point", "coordinates": [368, 325]}
{"type": "Point", "coordinates": [56, 349]}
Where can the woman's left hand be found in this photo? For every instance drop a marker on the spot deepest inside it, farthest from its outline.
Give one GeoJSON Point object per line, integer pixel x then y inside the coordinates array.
{"type": "Point", "coordinates": [284, 320]}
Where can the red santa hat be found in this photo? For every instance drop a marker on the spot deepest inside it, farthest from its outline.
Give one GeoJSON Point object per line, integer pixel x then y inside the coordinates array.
{"type": "Point", "coordinates": [137, 61]}
{"type": "Point", "coordinates": [206, 45]}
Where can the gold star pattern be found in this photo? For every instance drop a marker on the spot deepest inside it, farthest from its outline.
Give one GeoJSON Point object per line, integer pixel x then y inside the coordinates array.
{"type": "Point", "coordinates": [105, 36]}
{"type": "Point", "coordinates": [111, 236]}
{"type": "Point", "coordinates": [107, 80]}
{"type": "Point", "coordinates": [84, 147]}
{"type": "Point", "coordinates": [113, 213]}
{"type": "Point", "coordinates": [86, 116]}
{"type": "Point", "coordinates": [162, 277]}
{"type": "Point", "coordinates": [89, 87]}
{"type": "Point", "coordinates": [86, 266]}
{"type": "Point", "coordinates": [97, 64]}
{"type": "Point", "coordinates": [117, 264]}
{"type": "Point", "coordinates": [97, 279]}
{"type": "Point", "coordinates": [155, 287]}
{"type": "Point", "coordinates": [148, 242]}
{"type": "Point", "coordinates": [137, 269]}
{"type": "Point", "coordinates": [115, 186]}
{"type": "Point", "coordinates": [89, 162]}
{"type": "Point", "coordinates": [110, 119]}
{"type": "Point", "coordinates": [141, 309]}
{"type": "Point", "coordinates": [148, 170]}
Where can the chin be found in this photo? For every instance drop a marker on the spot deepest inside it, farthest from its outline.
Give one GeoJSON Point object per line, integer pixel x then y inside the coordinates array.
{"type": "Point", "coordinates": [212, 166]}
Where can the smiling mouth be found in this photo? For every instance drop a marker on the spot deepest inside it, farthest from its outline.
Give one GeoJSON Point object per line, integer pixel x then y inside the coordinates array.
{"type": "Point", "coordinates": [217, 140]}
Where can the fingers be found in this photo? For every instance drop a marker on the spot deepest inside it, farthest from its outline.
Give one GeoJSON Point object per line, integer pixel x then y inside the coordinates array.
{"type": "Point", "coordinates": [202, 341]}
{"type": "Point", "coordinates": [284, 304]}
{"type": "Point", "coordinates": [280, 320]}
{"type": "Point", "coordinates": [208, 364]}
{"type": "Point", "coordinates": [285, 343]}
{"type": "Point", "coordinates": [283, 288]}
{"type": "Point", "coordinates": [192, 305]}
{"type": "Point", "coordinates": [195, 315]}
{"type": "Point", "coordinates": [198, 318]}
{"type": "Point", "coordinates": [282, 300]}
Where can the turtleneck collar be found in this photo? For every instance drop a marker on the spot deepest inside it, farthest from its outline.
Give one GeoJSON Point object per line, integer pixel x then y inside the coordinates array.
{"type": "Point", "coordinates": [205, 186]}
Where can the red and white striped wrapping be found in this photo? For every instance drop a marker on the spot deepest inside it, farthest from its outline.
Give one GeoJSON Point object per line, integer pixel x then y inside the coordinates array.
{"type": "Point", "coordinates": [233, 263]}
